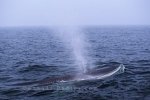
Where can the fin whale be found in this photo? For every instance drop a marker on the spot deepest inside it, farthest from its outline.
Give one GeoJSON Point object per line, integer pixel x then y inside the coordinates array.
{"type": "Point", "coordinates": [89, 75]}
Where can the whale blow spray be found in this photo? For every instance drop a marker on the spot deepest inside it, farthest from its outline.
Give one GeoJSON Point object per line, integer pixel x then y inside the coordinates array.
{"type": "Point", "coordinates": [76, 41]}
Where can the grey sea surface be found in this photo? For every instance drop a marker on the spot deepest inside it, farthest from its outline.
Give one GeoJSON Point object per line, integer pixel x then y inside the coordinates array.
{"type": "Point", "coordinates": [31, 54]}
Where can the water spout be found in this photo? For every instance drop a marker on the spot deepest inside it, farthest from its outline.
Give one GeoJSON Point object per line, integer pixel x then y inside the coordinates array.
{"type": "Point", "coordinates": [76, 42]}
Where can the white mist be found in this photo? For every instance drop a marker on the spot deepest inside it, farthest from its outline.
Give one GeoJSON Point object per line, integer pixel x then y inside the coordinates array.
{"type": "Point", "coordinates": [76, 41]}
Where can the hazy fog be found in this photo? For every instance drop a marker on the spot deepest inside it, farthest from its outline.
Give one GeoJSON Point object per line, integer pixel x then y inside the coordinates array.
{"type": "Point", "coordinates": [74, 12]}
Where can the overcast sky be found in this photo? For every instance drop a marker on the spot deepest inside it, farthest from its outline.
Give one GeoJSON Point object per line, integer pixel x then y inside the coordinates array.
{"type": "Point", "coordinates": [74, 12]}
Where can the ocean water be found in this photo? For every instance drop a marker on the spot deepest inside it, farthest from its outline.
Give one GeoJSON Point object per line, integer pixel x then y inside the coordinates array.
{"type": "Point", "coordinates": [30, 54]}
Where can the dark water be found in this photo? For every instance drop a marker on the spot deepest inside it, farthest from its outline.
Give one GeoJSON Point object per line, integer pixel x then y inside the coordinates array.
{"type": "Point", "coordinates": [33, 54]}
